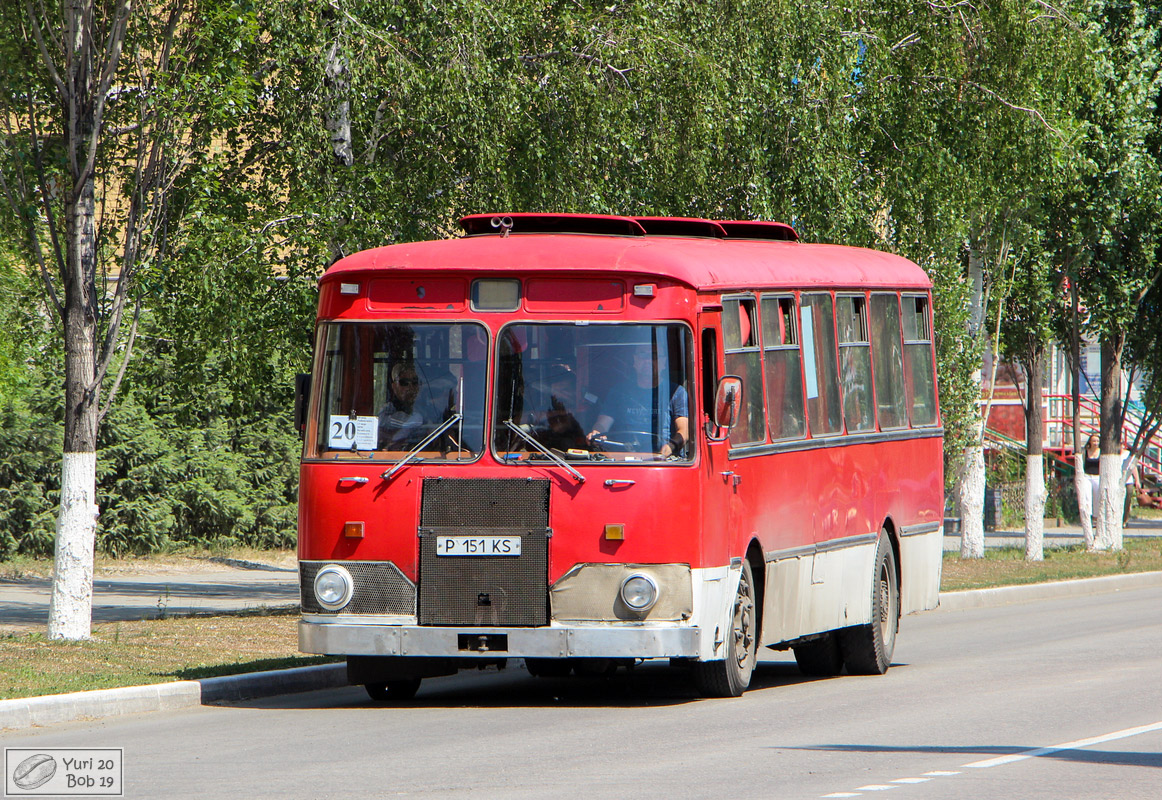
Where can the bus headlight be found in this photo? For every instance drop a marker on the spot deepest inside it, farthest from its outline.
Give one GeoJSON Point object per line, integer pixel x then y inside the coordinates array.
{"type": "Point", "coordinates": [639, 592]}
{"type": "Point", "coordinates": [333, 587]}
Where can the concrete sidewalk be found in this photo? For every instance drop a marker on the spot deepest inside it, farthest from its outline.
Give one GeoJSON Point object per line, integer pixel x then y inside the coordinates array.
{"type": "Point", "coordinates": [1056, 535]}
{"type": "Point", "coordinates": [216, 587]}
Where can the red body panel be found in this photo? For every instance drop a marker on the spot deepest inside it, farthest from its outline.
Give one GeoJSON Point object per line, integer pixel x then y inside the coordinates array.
{"type": "Point", "coordinates": [656, 511]}
{"type": "Point", "coordinates": [703, 514]}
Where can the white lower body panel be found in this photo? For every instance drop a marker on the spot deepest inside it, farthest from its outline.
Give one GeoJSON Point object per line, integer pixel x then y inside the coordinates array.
{"type": "Point", "coordinates": [700, 637]}
{"type": "Point", "coordinates": [813, 592]}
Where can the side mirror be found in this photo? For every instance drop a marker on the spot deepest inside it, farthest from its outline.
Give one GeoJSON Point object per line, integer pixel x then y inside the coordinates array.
{"type": "Point", "coordinates": [727, 407]}
{"type": "Point", "coordinates": [302, 401]}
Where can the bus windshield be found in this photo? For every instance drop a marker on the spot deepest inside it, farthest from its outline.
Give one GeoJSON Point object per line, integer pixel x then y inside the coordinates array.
{"type": "Point", "coordinates": [593, 392]}
{"type": "Point", "coordinates": [386, 387]}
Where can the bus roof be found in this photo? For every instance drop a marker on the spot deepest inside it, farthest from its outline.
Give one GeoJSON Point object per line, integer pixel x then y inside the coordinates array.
{"type": "Point", "coordinates": [703, 254]}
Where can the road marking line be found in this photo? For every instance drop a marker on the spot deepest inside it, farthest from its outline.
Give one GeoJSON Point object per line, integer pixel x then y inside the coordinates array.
{"type": "Point", "coordinates": [875, 787]}
{"type": "Point", "coordinates": [911, 780]}
{"type": "Point", "coordinates": [842, 794]}
{"type": "Point", "coordinates": [1041, 751]}
{"type": "Point", "coordinates": [940, 774]}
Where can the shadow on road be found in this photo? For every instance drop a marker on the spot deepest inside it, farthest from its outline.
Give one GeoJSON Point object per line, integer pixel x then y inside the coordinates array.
{"type": "Point", "coordinates": [652, 684]}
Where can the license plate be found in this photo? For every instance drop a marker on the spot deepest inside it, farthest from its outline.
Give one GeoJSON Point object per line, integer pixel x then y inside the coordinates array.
{"type": "Point", "coordinates": [478, 545]}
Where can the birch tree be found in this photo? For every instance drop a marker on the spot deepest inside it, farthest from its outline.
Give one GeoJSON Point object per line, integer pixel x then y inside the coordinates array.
{"type": "Point", "coordinates": [972, 131]}
{"type": "Point", "coordinates": [100, 123]}
{"type": "Point", "coordinates": [1123, 181]}
{"type": "Point", "coordinates": [1026, 337]}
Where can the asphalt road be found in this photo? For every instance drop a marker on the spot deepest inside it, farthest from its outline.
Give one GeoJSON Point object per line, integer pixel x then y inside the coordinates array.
{"type": "Point", "coordinates": [1000, 702]}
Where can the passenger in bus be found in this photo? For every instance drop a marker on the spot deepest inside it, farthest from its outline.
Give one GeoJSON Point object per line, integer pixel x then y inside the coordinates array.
{"type": "Point", "coordinates": [633, 408]}
{"type": "Point", "coordinates": [559, 427]}
{"type": "Point", "coordinates": [401, 425]}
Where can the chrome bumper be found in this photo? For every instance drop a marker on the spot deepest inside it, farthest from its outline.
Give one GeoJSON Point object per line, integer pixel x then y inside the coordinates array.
{"type": "Point", "coordinates": [363, 639]}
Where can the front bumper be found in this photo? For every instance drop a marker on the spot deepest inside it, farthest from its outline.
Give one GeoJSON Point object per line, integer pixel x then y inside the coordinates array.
{"type": "Point", "coordinates": [333, 637]}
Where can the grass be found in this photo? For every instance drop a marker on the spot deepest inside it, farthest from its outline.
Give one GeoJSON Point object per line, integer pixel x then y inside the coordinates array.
{"type": "Point", "coordinates": [185, 648]}
{"type": "Point", "coordinates": [1006, 566]}
{"type": "Point", "coordinates": [150, 651]}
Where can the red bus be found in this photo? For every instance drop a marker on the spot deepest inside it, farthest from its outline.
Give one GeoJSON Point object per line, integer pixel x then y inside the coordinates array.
{"type": "Point", "coordinates": [585, 441]}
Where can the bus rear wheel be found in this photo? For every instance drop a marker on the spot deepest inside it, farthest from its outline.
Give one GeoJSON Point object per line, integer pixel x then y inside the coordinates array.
{"type": "Point", "coordinates": [821, 657]}
{"type": "Point", "coordinates": [394, 691]}
{"type": "Point", "coordinates": [867, 649]}
{"type": "Point", "coordinates": [731, 676]}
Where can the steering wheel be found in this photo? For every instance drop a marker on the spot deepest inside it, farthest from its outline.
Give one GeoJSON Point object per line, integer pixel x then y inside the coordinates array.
{"type": "Point", "coordinates": [629, 441]}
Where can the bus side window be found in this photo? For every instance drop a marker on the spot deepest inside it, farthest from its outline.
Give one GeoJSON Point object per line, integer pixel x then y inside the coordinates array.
{"type": "Point", "coordinates": [709, 369]}
{"type": "Point", "coordinates": [744, 359]}
{"type": "Point", "coordinates": [820, 374]}
{"type": "Point", "coordinates": [784, 373]}
{"type": "Point", "coordinates": [887, 360]}
{"type": "Point", "coordinates": [920, 383]}
{"type": "Point", "coordinates": [855, 364]}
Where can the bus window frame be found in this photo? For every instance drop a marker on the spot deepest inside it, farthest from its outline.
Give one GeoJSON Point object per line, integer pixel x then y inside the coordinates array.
{"type": "Point", "coordinates": [839, 431]}
{"type": "Point", "coordinates": [796, 325]}
{"type": "Point", "coordinates": [691, 385]}
{"type": "Point", "coordinates": [313, 453]}
{"type": "Point", "coordinates": [929, 341]}
{"type": "Point", "coordinates": [903, 406]}
{"type": "Point", "coordinates": [865, 343]}
{"type": "Point", "coordinates": [756, 325]}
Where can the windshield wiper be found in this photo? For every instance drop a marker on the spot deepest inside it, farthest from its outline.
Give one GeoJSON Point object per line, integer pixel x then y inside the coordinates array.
{"type": "Point", "coordinates": [411, 454]}
{"type": "Point", "coordinates": [556, 459]}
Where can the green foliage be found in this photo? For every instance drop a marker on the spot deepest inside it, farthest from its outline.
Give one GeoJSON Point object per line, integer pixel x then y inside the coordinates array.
{"type": "Point", "coordinates": [1022, 130]}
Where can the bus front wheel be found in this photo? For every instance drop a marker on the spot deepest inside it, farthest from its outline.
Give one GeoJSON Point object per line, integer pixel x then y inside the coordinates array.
{"type": "Point", "coordinates": [394, 691]}
{"type": "Point", "coordinates": [731, 676]}
{"type": "Point", "coordinates": [867, 649]}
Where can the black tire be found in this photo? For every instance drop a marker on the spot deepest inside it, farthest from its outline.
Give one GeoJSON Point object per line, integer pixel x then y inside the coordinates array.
{"type": "Point", "coordinates": [394, 691]}
{"type": "Point", "coordinates": [548, 667]}
{"type": "Point", "coordinates": [867, 649]}
{"type": "Point", "coordinates": [820, 658]}
{"type": "Point", "coordinates": [731, 676]}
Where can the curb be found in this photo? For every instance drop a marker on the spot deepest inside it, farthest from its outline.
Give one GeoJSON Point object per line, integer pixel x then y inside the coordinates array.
{"type": "Point", "coordinates": [1006, 595]}
{"type": "Point", "coordinates": [101, 703]}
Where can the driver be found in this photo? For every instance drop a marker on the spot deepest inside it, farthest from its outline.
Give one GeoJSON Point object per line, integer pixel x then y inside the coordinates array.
{"type": "Point", "coordinates": [634, 405]}
{"type": "Point", "coordinates": [400, 422]}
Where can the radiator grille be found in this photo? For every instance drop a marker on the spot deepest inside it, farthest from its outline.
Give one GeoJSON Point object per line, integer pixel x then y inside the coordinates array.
{"type": "Point", "coordinates": [380, 588]}
{"type": "Point", "coordinates": [485, 503]}
{"type": "Point", "coordinates": [485, 590]}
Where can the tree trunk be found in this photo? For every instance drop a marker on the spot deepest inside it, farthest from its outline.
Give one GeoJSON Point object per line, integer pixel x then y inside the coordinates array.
{"type": "Point", "coordinates": [1081, 486]}
{"type": "Point", "coordinates": [1111, 487]}
{"type": "Point", "coordinates": [1080, 481]}
{"type": "Point", "coordinates": [971, 477]}
{"type": "Point", "coordinates": [970, 500]}
{"type": "Point", "coordinates": [338, 114]}
{"type": "Point", "coordinates": [1035, 494]}
{"type": "Point", "coordinates": [70, 609]}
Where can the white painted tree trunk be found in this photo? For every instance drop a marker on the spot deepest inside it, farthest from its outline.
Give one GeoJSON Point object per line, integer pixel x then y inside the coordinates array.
{"type": "Point", "coordinates": [1084, 498]}
{"type": "Point", "coordinates": [71, 607]}
{"type": "Point", "coordinates": [970, 500]}
{"type": "Point", "coordinates": [1111, 494]}
{"type": "Point", "coordinates": [1035, 496]}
